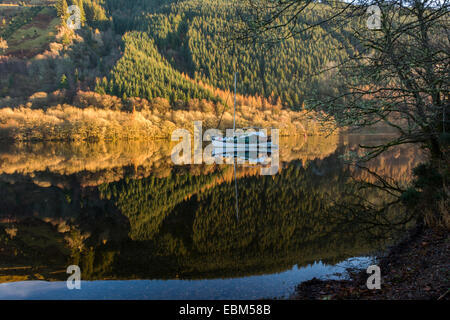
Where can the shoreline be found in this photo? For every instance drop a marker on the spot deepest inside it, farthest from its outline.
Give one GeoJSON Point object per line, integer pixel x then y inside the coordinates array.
{"type": "Point", "coordinates": [416, 268]}
{"type": "Point", "coordinates": [71, 123]}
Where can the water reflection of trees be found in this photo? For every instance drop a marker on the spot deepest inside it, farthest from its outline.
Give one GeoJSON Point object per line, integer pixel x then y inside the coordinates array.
{"type": "Point", "coordinates": [374, 196]}
{"type": "Point", "coordinates": [183, 224]}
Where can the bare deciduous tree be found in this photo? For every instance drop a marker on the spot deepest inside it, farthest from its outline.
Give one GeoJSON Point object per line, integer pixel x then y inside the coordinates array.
{"type": "Point", "coordinates": [399, 76]}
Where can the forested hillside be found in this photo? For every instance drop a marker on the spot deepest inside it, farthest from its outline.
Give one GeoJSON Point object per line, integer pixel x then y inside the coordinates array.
{"type": "Point", "coordinates": [163, 39]}
{"type": "Point", "coordinates": [156, 57]}
{"type": "Point", "coordinates": [143, 72]}
{"type": "Point", "coordinates": [192, 36]}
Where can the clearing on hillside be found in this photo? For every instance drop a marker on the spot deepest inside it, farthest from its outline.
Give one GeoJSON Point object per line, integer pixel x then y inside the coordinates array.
{"type": "Point", "coordinates": [28, 30]}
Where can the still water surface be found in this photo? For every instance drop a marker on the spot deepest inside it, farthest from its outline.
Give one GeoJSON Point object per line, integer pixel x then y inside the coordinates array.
{"type": "Point", "coordinates": [141, 228]}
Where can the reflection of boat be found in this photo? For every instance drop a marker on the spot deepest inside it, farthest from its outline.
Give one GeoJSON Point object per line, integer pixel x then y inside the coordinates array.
{"type": "Point", "coordinates": [243, 155]}
{"type": "Point", "coordinates": [240, 141]}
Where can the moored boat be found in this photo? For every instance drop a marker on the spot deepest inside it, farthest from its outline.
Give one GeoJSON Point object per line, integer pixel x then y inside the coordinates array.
{"type": "Point", "coordinates": [243, 141]}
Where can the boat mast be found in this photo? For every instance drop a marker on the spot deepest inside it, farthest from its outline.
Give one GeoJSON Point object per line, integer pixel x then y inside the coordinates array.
{"type": "Point", "coordinates": [234, 159]}
{"type": "Point", "coordinates": [236, 188]}
{"type": "Point", "coordinates": [234, 113]}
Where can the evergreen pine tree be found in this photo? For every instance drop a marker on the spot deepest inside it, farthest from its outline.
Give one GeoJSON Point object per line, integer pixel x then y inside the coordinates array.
{"type": "Point", "coordinates": [61, 9]}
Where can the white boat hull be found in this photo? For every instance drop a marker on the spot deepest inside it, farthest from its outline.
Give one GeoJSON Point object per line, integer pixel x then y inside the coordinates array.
{"type": "Point", "coordinates": [243, 146]}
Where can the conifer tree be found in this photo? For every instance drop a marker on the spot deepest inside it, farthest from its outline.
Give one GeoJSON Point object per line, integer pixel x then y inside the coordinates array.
{"type": "Point", "coordinates": [61, 9]}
